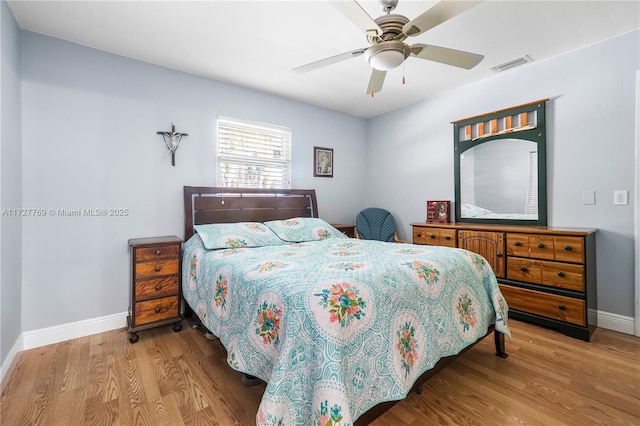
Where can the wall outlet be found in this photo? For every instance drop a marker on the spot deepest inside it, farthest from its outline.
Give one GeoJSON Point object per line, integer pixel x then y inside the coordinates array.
{"type": "Point", "coordinates": [620, 198]}
{"type": "Point", "coordinates": [588, 197]}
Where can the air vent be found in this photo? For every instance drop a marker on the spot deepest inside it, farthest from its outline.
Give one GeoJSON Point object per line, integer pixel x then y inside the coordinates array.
{"type": "Point", "coordinates": [511, 64]}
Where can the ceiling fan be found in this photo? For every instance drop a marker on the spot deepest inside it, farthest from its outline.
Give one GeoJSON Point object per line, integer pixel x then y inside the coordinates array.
{"type": "Point", "coordinates": [387, 34]}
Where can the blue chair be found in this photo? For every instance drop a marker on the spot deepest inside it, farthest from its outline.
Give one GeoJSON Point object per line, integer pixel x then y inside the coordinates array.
{"type": "Point", "coordinates": [375, 223]}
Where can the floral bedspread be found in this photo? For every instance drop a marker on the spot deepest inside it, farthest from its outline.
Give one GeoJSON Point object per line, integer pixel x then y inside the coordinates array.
{"type": "Point", "coordinates": [339, 325]}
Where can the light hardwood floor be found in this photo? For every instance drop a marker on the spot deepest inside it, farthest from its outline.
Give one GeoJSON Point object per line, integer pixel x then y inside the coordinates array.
{"type": "Point", "coordinates": [181, 378]}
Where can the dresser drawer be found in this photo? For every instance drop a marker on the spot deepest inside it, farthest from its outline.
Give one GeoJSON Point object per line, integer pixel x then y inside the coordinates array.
{"type": "Point", "coordinates": [553, 306]}
{"type": "Point", "coordinates": [546, 247]}
{"type": "Point", "coordinates": [524, 269]}
{"type": "Point", "coordinates": [563, 275]}
{"type": "Point", "coordinates": [553, 274]}
{"type": "Point", "coordinates": [154, 288]}
{"type": "Point", "coordinates": [569, 249]}
{"type": "Point", "coordinates": [156, 269]}
{"type": "Point", "coordinates": [535, 246]}
{"type": "Point", "coordinates": [157, 252]}
{"type": "Point", "coordinates": [434, 236]}
{"type": "Point", "coordinates": [156, 310]}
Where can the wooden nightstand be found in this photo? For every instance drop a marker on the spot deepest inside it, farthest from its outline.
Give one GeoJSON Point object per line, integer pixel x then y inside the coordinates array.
{"type": "Point", "coordinates": [348, 230]}
{"type": "Point", "coordinates": [155, 284]}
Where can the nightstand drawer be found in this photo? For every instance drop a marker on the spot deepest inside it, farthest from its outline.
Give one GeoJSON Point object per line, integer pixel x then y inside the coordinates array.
{"type": "Point", "coordinates": [159, 287]}
{"type": "Point", "coordinates": [158, 252]}
{"type": "Point", "coordinates": [157, 269]}
{"type": "Point", "coordinates": [553, 306]}
{"type": "Point", "coordinates": [156, 310]}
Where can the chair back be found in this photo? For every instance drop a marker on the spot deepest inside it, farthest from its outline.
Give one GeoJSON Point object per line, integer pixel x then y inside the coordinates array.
{"type": "Point", "coordinates": [375, 223]}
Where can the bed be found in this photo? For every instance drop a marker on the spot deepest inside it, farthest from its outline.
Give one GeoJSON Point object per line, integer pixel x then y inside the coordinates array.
{"type": "Point", "coordinates": [338, 328]}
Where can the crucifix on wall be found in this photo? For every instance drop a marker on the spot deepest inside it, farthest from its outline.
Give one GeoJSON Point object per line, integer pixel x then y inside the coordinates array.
{"type": "Point", "coordinates": [172, 140]}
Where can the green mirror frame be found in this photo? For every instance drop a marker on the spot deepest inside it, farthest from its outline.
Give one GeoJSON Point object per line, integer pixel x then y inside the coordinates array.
{"type": "Point", "coordinates": [525, 122]}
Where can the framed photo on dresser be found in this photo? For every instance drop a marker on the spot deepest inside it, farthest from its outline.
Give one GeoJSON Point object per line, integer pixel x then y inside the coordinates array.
{"type": "Point", "coordinates": [438, 211]}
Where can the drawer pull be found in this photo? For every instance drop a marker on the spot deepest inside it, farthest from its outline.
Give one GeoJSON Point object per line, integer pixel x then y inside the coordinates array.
{"type": "Point", "coordinates": [157, 268]}
{"type": "Point", "coordinates": [517, 244]}
{"type": "Point", "coordinates": [561, 274]}
{"type": "Point", "coordinates": [158, 287]}
{"type": "Point", "coordinates": [158, 309]}
{"type": "Point", "coordinates": [562, 307]}
{"type": "Point", "coordinates": [158, 252]}
{"type": "Point", "coordinates": [523, 268]}
{"type": "Point", "coordinates": [447, 237]}
{"type": "Point", "coordinates": [498, 254]}
{"type": "Point", "coordinates": [432, 236]}
{"type": "Point", "coordinates": [567, 248]}
{"type": "Point", "coordinates": [540, 245]}
{"type": "Point", "coordinates": [419, 235]}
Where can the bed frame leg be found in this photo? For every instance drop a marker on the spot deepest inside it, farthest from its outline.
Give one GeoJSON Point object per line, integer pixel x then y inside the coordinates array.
{"type": "Point", "coordinates": [248, 380]}
{"type": "Point", "coordinates": [499, 341]}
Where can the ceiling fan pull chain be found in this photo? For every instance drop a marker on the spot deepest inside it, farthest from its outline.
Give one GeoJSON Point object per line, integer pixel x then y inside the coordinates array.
{"type": "Point", "coordinates": [403, 80]}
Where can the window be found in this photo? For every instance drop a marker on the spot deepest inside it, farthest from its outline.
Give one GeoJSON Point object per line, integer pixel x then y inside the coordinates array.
{"type": "Point", "coordinates": [253, 155]}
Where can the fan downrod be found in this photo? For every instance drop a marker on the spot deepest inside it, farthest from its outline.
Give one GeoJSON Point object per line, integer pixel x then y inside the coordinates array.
{"type": "Point", "coordinates": [388, 5]}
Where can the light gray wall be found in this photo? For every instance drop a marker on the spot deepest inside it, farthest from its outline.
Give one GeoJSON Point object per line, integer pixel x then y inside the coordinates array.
{"type": "Point", "coordinates": [10, 183]}
{"type": "Point", "coordinates": [89, 141]}
{"type": "Point", "coordinates": [590, 146]}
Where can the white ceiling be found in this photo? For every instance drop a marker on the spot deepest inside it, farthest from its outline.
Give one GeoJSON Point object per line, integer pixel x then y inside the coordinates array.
{"type": "Point", "coordinates": [257, 43]}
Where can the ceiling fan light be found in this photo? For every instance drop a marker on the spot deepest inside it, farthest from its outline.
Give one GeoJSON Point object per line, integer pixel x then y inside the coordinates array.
{"type": "Point", "coordinates": [386, 60]}
{"type": "Point", "coordinates": [387, 55]}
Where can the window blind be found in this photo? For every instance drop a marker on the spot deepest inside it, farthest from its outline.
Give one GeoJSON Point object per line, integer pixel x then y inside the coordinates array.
{"type": "Point", "coordinates": [253, 155]}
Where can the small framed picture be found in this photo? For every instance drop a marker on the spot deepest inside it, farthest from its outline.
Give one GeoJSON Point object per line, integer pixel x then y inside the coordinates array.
{"type": "Point", "coordinates": [322, 162]}
{"type": "Point", "coordinates": [437, 211]}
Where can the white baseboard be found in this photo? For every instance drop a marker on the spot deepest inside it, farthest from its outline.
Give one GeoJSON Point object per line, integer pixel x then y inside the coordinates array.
{"type": "Point", "coordinates": [8, 362]}
{"type": "Point", "coordinates": [73, 330]}
{"type": "Point", "coordinates": [61, 333]}
{"type": "Point", "coordinates": [615, 322]}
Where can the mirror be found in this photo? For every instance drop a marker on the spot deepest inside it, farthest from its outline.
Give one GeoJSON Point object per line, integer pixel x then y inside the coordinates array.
{"type": "Point", "coordinates": [501, 174]}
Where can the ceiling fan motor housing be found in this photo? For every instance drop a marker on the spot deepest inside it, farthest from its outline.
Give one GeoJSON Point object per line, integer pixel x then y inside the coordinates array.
{"type": "Point", "coordinates": [391, 26]}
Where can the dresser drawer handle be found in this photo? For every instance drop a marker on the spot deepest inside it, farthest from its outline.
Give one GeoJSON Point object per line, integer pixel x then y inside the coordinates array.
{"type": "Point", "coordinates": [540, 245]}
{"type": "Point", "coordinates": [158, 252]}
{"type": "Point", "coordinates": [432, 235]}
{"type": "Point", "coordinates": [157, 269]}
{"type": "Point", "coordinates": [419, 235]}
{"type": "Point", "coordinates": [561, 274]}
{"type": "Point", "coordinates": [567, 248]}
{"type": "Point", "coordinates": [562, 307]}
{"type": "Point", "coordinates": [158, 310]}
{"type": "Point", "coordinates": [447, 237]}
{"type": "Point", "coordinates": [498, 254]}
{"type": "Point", "coordinates": [523, 268]}
{"type": "Point", "coordinates": [158, 287]}
{"type": "Point", "coordinates": [517, 244]}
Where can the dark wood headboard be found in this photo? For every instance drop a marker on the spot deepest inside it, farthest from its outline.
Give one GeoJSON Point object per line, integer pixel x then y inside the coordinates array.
{"type": "Point", "coordinates": [203, 205]}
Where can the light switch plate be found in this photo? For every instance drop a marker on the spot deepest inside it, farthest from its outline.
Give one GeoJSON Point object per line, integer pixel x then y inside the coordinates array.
{"type": "Point", "coordinates": [588, 197]}
{"type": "Point", "coordinates": [620, 198]}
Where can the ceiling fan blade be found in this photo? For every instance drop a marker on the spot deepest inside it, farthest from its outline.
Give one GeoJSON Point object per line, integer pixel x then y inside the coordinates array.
{"type": "Point", "coordinates": [444, 55]}
{"type": "Point", "coordinates": [375, 81]}
{"type": "Point", "coordinates": [436, 15]}
{"type": "Point", "coordinates": [328, 61]}
{"type": "Point", "coordinates": [358, 16]}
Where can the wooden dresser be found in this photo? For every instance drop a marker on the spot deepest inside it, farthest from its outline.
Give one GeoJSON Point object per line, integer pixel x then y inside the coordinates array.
{"type": "Point", "coordinates": [547, 274]}
{"type": "Point", "coordinates": [155, 284]}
